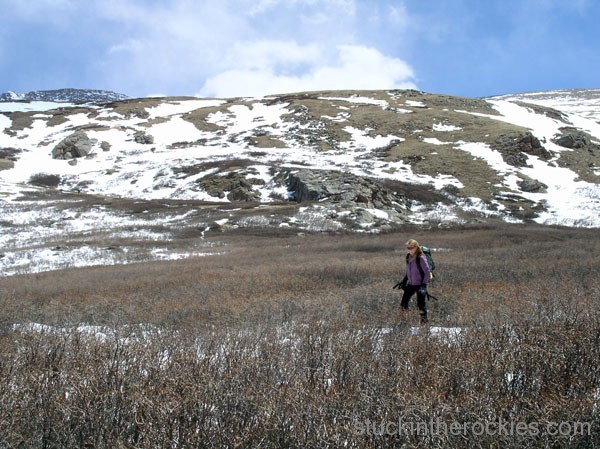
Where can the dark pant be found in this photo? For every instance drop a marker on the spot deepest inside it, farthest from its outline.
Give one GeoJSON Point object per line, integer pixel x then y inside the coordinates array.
{"type": "Point", "coordinates": [409, 291]}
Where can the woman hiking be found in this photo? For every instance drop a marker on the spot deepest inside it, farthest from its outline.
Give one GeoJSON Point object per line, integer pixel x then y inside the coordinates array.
{"type": "Point", "coordinates": [415, 279]}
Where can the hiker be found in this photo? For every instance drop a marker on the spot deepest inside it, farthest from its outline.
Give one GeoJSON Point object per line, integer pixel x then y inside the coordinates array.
{"type": "Point", "coordinates": [415, 279]}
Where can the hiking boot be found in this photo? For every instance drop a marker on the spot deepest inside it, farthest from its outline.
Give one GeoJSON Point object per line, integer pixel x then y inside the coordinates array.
{"type": "Point", "coordinates": [424, 319]}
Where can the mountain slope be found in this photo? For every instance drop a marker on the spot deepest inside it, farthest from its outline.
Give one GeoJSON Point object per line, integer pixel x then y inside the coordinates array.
{"type": "Point", "coordinates": [366, 160]}
{"type": "Point", "coordinates": [65, 96]}
{"type": "Point", "coordinates": [579, 102]}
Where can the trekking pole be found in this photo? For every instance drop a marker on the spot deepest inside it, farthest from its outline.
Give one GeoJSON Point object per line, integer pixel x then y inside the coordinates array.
{"type": "Point", "coordinates": [430, 296]}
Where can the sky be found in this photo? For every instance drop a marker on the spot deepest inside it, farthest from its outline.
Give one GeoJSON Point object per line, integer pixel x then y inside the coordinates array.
{"type": "Point", "coordinates": [229, 48]}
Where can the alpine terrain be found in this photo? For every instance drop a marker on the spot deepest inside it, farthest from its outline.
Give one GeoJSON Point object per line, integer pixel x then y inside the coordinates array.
{"type": "Point", "coordinates": [87, 175]}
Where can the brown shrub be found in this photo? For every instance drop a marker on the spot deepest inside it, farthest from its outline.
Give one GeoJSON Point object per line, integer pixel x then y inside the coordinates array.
{"type": "Point", "coordinates": [297, 342]}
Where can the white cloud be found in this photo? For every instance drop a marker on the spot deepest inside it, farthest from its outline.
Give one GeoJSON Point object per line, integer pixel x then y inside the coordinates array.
{"type": "Point", "coordinates": [284, 55]}
{"type": "Point", "coordinates": [250, 48]}
{"type": "Point", "coordinates": [226, 48]}
{"type": "Point", "coordinates": [347, 67]}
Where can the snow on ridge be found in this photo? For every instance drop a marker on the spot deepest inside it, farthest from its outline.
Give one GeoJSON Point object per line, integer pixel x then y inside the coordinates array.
{"type": "Point", "coordinates": [415, 104]}
{"type": "Point", "coordinates": [358, 100]}
{"type": "Point", "coordinates": [360, 139]}
{"type": "Point", "coordinates": [145, 171]}
{"type": "Point", "coordinates": [583, 103]}
{"type": "Point", "coordinates": [176, 126]}
{"type": "Point", "coordinates": [515, 114]}
{"type": "Point", "coordinates": [569, 201]}
{"type": "Point", "coordinates": [135, 170]}
{"type": "Point", "coordinates": [32, 106]}
{"type": "Point", "coordinates": [435, 141]}
{"type": "Point", "coordinates": [443, 127]}
{"type": "Point", "coordinates": [169, 108]}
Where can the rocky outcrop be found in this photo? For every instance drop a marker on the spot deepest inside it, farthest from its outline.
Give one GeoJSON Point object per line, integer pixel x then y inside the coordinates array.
{"type": "Point", "coordinates": [234, 186]}
{"type": "Point", "coordinates": [76, 145]}
{"type": "Point", "coordinates": [514, 148]}
{"type": "Point", "coordinates": [8, 158]}
{"type": "Point", "coordinates": [65, 95]}
{"type": "Point", "coordinates": [143, 138]}
{"type": "Point", "coordinates": [573, 139]}
{"type": "Point", "coordinates": [343, 188]}
{"type": "Point", "coordinates": [360, 201]}
{"type": "Point", "coordinates": [528, 184]}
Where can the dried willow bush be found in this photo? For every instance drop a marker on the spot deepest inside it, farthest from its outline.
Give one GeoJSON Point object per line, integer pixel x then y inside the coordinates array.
{"type": "Point", "coordinates": [298, 342]}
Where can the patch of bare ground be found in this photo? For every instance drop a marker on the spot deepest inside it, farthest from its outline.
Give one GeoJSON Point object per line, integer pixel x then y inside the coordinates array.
{"type": "Point", "coordinates": [297, 341]}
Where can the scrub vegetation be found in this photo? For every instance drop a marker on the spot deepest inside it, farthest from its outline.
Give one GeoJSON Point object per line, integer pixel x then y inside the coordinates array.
{"type": "Point", "coordinates": [285, 340]}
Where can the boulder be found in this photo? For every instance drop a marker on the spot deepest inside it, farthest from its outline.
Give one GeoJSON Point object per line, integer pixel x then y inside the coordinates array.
{"type": "Point", "coordinates": [234, 186]}
{"type": "Point", "coordinates": [573, 140]}
{"type": "Point", "coordinates": [514, 148]}
{"type": "Point", "coordinates": [76, 145]}
{"type": "Point", "coordinates": [364, 217]}
{"type": "Point", "coordinates": [9, 153]}
{"type": "Point", "coordinates": [143, 138]}
{"type": "Point", "coordinates": [532, 185]}
{"type": "Point", "coordinates": [530, 144]}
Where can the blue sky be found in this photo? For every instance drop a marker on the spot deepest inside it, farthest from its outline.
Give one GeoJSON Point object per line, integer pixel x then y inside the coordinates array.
{"type": "Point", "coordinates": [224, 48]}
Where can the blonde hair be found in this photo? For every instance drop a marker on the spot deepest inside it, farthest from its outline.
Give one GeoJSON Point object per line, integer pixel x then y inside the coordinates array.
{"type": "Point", "coordinates": [413, 242]}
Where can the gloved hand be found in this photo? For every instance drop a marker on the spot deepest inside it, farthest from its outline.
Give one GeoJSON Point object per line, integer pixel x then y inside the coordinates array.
{"type": "Point", "coordinates": [401, 285]}
{"type": "Point", "coordinates": [423, 290]}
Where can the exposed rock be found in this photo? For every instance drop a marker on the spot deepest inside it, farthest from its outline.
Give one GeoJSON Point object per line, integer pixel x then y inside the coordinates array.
{"type": "Point", "coordinates": [8, 158]}
{"type": "Point", "coordinates": [65, 95]}
{"type": "Point", "coordinates": [548, 112]}
{"type": "Point", "coordinates": [573, 139]}
{"type": "Point", "coordinates": [513, 148]}
{"type": "Point", "coordinates": [9, 153]}
{"type": "Point", "coordinates": [143, 138]}
{"type": "Point", "coordinates": [346, 189]}
{"type": "Point", "coordinates": [530, 144]}
{"type": "Point", "coordinates": [392, 135]}
{"type": "Point", "coordinates": [364, 217]}
{"type": "Point", "coordinates": [234, 186]}
{"type": "Point", "coordinates": [532, 185]}
{"type": "Point", "coordinates": [77, 144]}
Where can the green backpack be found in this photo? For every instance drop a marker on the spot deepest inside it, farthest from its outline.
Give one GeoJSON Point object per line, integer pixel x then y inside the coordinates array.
{"type": "Point", "coordinates": [430, 262]}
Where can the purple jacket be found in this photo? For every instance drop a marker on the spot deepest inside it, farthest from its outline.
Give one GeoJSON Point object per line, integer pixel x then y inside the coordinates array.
{"type": "Point", "coordinates": [414, 275]}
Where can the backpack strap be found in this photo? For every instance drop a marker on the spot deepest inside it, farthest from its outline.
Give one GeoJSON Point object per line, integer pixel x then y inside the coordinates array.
{"type": "Point", "coordinates": [420, 269]}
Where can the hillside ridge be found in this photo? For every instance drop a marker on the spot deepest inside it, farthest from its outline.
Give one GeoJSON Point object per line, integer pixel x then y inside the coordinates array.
{"type": "Point", "coordinates": [327, 161]}
{"type": "Point", "coordinates": [66, 95]}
